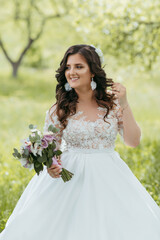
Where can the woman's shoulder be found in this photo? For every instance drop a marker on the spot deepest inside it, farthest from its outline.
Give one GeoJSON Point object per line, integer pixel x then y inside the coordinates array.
{"type": "Point", "coordinates": [52, 112]}
{"type": "Point", "coordinates": [53, 108]}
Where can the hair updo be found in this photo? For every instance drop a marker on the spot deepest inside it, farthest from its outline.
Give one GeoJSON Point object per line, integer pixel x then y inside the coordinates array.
{"type": "Point", "coordinates": [66, 101]}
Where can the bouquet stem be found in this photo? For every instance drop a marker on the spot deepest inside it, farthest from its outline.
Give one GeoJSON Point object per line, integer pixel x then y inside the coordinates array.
{"type": "Point", "coordinates": [66, 175]}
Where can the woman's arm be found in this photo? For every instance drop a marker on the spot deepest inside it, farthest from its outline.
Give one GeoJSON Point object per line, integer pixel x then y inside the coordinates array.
{"type": "Point", "coordinates": [131, 130]}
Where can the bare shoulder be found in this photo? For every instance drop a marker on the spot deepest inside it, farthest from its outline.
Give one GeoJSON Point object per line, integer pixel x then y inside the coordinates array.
{"type": "Point", "coordinates": [53, 110]}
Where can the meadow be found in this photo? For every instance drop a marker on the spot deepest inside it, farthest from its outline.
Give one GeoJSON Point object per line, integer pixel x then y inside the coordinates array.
{"type": "Point", "coordinates": [26, 99]}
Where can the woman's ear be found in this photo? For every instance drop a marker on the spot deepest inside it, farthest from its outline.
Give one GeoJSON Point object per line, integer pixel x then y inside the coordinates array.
{"type": "Point", "coordinates": [92, 75]}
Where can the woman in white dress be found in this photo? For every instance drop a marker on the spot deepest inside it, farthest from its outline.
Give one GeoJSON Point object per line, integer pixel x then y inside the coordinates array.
{"type": "Point", "coordinates": [103, 200]}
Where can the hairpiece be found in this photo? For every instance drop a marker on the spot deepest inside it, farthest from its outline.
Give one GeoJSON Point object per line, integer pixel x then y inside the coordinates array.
{"type": "Point", "coordinates": [99, 52]}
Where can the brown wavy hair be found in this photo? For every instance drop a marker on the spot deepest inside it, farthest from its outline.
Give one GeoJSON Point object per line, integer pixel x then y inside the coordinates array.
{"type": "Point", "coordinates": [66, 101]}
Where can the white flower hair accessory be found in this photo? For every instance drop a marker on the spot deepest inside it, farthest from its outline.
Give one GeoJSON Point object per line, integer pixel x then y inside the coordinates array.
{"type": "Point", "coordinates": [99, 52]}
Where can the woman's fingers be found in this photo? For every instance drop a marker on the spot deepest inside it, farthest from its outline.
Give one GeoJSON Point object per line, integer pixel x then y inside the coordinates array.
{"type": "Point", "coordinates": [54, 171]}
{"type": "Point", "coordinates": [120, 92]}
{"type": "Point", "coordinates": [59, 161]}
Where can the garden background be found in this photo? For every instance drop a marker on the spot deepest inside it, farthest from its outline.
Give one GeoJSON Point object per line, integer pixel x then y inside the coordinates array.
{"type": "Point", "coordinates": [34, 34]}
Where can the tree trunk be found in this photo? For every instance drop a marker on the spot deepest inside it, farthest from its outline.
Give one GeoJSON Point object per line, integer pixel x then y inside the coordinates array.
{"type": "Point", "coordinates": [15, 67]}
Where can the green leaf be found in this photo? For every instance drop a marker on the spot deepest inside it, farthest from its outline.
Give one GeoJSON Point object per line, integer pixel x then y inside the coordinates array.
{"type": "Point", "coordinates": [16, 153]}
{"type": "Point", "coordinates": [53, 129]}
{"type": "Point", "coordinates": [32, 139]}
{"type": "Point", "coordinates": [48, 164]}
{"type": "Point", "coordinates": [26, 152]}
{"type": "Point", "coordinates": [40, 159]}
{"type": "Point", "coordinates": [19, 155]}
{"type": "Point", "coordinates": [37, 164]}
{"type": "Point", "coordinates": [15, 150]}
{"type": "Point", "coordinates": [31, 126]}
{"type": "Point", "coordinates": [31, 160]}
{"type": "Point", "coordinates": [58, 152]}
{"type": "Point", "coordinates": [53, 145]}
{"type": "Point", "coordinates": [50, 161]}
{"type": "Point", "coordinates": [45, 157]}
{"type": "Point", "coordinates": [38, 169]}
{"type": "Point", "coordinates": [37, 137]}
{"type": "Point", "coordinates": [50, 153]}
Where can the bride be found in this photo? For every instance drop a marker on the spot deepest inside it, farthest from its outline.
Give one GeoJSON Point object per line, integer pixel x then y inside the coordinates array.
{"type": "Point", "coordinates": [103, 200]}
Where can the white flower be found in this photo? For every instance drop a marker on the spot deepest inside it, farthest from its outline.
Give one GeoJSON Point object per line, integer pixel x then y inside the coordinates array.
{"type": "Point", "coordinates": [33, 130]}
{"type": "Point", "coordinates": [39, 133]}
{"type": "Point", "coordinates": [99, 52]}
{"type": "Point", "coordinates": [40, 152]}
{"type": "Point", "coordinates": [21, 150]}
{"type": "Point", "coordinates": [48, 133]}
{"type": "Point", "coordinates": [30, 166]}
{"type": "Point", "coordinates": [36, 149]}
{"type": "Point", "coordinates": [23, 161]}
{"type": "Point", "coordinates": [25, 143]}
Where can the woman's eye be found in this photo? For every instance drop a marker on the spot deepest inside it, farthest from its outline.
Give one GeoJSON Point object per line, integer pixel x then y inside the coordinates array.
{"type": "Point", "coordinates": [77, 67]}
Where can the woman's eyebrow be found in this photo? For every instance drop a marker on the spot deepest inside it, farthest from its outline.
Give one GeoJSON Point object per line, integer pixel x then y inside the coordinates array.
{"type": "Point", "coordinates": [74, 64]}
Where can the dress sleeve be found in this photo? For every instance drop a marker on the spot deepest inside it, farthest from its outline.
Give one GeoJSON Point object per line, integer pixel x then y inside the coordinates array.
{"type": "Point", "coordinates": [52, 119]}
{"type": "Point", "coordinates": [119, 115]}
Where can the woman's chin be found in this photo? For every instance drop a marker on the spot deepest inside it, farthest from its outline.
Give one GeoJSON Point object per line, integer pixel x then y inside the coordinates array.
{"type": "Point", "coordinates": [74, 85]}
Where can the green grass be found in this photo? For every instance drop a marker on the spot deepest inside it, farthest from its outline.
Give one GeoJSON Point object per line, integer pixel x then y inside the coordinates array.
{"type": "Point", "coordinates": [26, 99]}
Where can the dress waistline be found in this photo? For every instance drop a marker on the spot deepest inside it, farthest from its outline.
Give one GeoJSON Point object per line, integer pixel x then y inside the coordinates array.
{"type": "Point", "coordinates": [91, 150]}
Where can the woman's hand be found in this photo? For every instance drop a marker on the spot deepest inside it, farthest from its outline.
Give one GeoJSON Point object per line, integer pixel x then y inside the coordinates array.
{"type": "Point", "coordinates": [54, 170]}
{"type": "Point", "coordinates": [120, 92]}
{"type": "Point", "coordinates": [131, 130]}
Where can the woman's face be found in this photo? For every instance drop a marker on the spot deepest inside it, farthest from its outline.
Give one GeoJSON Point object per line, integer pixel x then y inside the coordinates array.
{"type": "Point", "coordinates": [78, 72]}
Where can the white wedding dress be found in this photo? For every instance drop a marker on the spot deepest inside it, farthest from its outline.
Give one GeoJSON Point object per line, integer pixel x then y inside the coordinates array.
{"type": "Point", "coordinates": [102, 201]}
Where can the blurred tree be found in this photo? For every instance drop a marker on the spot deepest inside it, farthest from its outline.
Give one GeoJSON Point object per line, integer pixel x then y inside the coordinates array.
{"type": "Point", "coordinates": [122, 28]}
{"type": "Point", "coordinates": [135, 31]}
{"type": "Point", "coordinates": [27, 19]}
{"type": "Point", "coordinates": [129, 29]}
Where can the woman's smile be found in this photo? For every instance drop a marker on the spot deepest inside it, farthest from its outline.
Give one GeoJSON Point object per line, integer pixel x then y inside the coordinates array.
{"type": "Point", "coordinates": [74, 79]}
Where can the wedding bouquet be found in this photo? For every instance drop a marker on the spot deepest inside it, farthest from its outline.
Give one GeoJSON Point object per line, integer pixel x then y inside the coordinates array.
{"type": "Point", "coordinates": [39, 150]}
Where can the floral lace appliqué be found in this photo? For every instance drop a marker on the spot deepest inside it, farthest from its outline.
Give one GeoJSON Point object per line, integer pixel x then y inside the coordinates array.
{"type": "Point", "coordinates": [81, 132]}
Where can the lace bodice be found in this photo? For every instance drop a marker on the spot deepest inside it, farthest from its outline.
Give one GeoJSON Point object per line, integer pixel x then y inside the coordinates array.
{"type": "Point", "coordinates": [81, 132]}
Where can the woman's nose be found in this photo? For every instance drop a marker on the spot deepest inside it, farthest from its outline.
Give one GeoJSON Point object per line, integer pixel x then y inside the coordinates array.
{"type": "Point", "coordinates": [72, 70]}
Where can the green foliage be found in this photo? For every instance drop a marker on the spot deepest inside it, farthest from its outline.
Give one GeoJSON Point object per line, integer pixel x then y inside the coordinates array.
{"type": "Point", "coordinates": [144, 161]}
{"type": "Point", "coordinates": [121, 28]}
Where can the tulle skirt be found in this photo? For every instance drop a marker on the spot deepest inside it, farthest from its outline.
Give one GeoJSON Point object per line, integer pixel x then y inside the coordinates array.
{"type": "Point", "coordinates": [102, 201]}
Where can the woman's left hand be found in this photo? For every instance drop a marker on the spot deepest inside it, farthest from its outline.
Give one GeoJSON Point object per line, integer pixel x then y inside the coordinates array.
{"type": "Point", "coordinates": [120, 93]}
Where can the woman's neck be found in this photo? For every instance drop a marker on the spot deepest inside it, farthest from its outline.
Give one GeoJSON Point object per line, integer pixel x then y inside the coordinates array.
{"type": "Point", "coordinates": [86, 97]}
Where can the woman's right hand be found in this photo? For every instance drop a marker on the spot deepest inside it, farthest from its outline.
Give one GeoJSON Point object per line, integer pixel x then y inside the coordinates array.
{"type": "Point", "coordinates": [54, 170]}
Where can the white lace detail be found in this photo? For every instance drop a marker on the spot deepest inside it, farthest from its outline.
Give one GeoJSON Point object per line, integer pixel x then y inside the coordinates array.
{"type": "Point", "coordinates": [83, 133]}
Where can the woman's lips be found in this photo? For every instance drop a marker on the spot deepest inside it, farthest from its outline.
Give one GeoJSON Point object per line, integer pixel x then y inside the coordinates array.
{"type": "Point", "coordinates": [74, 79]}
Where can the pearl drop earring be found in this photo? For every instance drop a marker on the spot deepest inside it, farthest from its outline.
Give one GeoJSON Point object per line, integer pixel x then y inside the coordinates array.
{"type": "Point", "coordinates": [93, 84]}
{"type": "Point", "coordinates": [67, 87]}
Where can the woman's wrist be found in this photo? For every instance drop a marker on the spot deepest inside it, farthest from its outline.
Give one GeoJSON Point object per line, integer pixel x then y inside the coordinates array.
{"type": "Point", "coordinates": [124, 107]}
